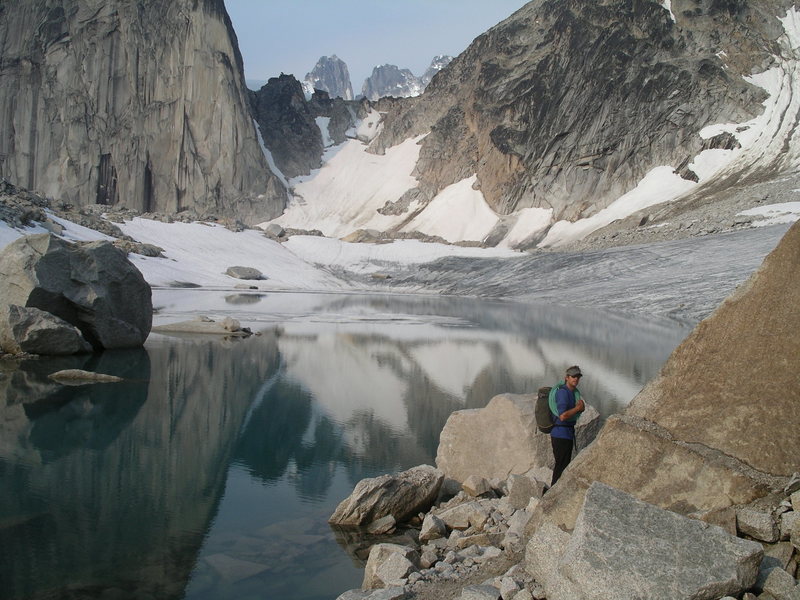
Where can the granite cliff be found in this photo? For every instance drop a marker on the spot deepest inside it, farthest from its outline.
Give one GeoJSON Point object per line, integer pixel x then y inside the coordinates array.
{"type": "Point", "coordinates": [140, 104]}
{"type": "Point", "coordinates": [567, 105]}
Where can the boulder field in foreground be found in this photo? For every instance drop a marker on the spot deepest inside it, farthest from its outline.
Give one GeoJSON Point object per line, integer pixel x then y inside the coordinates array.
{"type": "Point", "coordinates": [63, 298]}
{"type": "Point", "coordinates": [625, 548]}
{"type": "Point", "coordinates": [719, 425]}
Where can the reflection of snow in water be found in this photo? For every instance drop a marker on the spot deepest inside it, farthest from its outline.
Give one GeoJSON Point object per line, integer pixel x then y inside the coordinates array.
{"type": "Point", "coordinates": [451, 365]}
{"type": "Point", "coordinates": [345, 378]}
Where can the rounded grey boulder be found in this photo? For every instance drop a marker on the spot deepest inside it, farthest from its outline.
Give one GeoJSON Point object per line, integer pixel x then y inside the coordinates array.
{"type": "Point", "coordinates": [92, 286]}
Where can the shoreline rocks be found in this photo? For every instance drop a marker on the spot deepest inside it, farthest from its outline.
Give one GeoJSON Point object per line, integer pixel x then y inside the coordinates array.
{"type": "Point", "coordinates": [649, 509]}
{"type": "Point", "coordinates": [621, 547]}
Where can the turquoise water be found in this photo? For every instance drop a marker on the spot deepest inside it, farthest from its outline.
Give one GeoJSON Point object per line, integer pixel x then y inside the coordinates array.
{"type": "Point", "coordinates": [211, 471]}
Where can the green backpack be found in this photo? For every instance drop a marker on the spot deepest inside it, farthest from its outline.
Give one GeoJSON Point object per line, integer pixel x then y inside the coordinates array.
{"type": "Point", "coordinates": [546, 408]}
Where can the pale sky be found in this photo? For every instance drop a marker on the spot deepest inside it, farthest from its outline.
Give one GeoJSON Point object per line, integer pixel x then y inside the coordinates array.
{"type": "Point", "coordinates": [289, 36]}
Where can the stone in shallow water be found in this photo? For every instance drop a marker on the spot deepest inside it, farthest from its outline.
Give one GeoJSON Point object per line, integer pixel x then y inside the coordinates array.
{"type": "Point", "coordinates": [39, 332]}
{"type": "Point", "coordinates": [233, 569]}
{"type": "Point", "coordinates": [91, 286]}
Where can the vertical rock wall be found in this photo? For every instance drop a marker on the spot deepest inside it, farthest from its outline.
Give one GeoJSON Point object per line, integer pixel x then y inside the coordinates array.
{"type": "Point", "coordinates": [137, 103]}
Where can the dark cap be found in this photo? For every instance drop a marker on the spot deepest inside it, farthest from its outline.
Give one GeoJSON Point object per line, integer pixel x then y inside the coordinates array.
{"type": "Point", "coordinates": [574, 371]}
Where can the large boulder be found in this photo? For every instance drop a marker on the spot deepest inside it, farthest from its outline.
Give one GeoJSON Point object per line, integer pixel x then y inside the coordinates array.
{"type": "Point", "coordinates": [718, 426]}
{"type": "Point", "coordinates": [501, 439]}
{"type": "Point", "coordinates": [93, 287]}
{"type": "Point", "coordinates": [402, 496]}
{"type": "Point", "coordinates": [625, 548]}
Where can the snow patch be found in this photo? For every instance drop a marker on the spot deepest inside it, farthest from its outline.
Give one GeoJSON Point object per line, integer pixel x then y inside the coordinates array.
{"type": "Point", "coordinates": [774, 214]}
{"type": "Point", "coordinates": [323, 123]}
{"type": "Point", "coordinates": [270, 159]}
{"type": "Point", "coordinates": [530, 221]}
{"type": "Point", "coordinates": [346, 193]}
{"type": "Point", "coordinates": [200, 253]}
{"type": "Point", "coordinates": [457, 213]}
{"type": "Point", "coordinates": [370, 258]}
{"type": "Point", "coordinates": [667, 5]}
{"type": "Point", "coordinates": [370, 126]}
{"type": "Point", "coordinates": [659, 185]}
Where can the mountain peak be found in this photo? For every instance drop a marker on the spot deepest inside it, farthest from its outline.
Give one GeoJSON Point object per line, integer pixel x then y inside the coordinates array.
{"type": "Point", "coordinates": [390, 80]}
{"type": "Point", "coordinates": [331, 75]}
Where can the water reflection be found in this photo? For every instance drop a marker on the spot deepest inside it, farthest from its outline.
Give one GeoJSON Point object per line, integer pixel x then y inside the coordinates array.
{"type": "Point", "coordinates": [211, 471]}
{"type": "Point", "coordinates": [109, 488]}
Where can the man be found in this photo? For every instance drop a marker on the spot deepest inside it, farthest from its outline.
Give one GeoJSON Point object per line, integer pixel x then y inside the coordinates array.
{"type": "Point", "coordinates": [562, 436]}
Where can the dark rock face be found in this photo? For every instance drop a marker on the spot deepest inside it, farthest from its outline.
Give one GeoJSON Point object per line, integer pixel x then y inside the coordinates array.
{"type": "Point", "coordinates": [330, 75]}
{"type": "Point", "coordinates": [92, 287]}
{"type": "Point", "coordinates": [568, 104]}
{"type": "Point", "coordinates": [289, 126]}
{"type": "Point", "coordinates": [140, 104]}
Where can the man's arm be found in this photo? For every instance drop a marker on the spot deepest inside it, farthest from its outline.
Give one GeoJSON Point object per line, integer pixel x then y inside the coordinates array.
{"type": "Point", "coordinates": [568, 414]}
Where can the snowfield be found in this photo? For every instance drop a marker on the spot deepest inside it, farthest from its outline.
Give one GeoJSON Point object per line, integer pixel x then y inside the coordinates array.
{"type": "Point", "coordinates": [681, 280]}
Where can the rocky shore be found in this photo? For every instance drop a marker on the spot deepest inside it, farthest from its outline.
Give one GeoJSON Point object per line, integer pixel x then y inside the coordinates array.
{"type": "Point", "coordinates": [473, 542]}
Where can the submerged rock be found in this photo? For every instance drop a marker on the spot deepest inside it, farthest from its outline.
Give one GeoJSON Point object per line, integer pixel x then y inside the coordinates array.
{"type": "Point", "coordinates": [203, 325]}
{"type": "Point", "coordinates": [79, 377]}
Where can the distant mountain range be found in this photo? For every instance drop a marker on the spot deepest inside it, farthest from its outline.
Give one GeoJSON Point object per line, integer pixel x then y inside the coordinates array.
{"type": "Point", "coordinates": [331, 75]}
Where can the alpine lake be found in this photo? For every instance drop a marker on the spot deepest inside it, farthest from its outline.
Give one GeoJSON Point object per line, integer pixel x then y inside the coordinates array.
{"type": "Point", "coordinates": [210, 472]}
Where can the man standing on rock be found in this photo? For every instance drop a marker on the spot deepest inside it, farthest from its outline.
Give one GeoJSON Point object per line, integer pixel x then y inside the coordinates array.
{"type": "Point", "coordinates": [569, 404]}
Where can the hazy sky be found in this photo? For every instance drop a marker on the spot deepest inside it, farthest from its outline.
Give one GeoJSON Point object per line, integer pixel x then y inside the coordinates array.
{"type": "Point", "coordinates": [289, 36]}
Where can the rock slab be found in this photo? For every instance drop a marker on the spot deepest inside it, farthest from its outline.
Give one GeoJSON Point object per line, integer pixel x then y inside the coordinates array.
{"type": "Point", "coordinates": [625, 548]}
